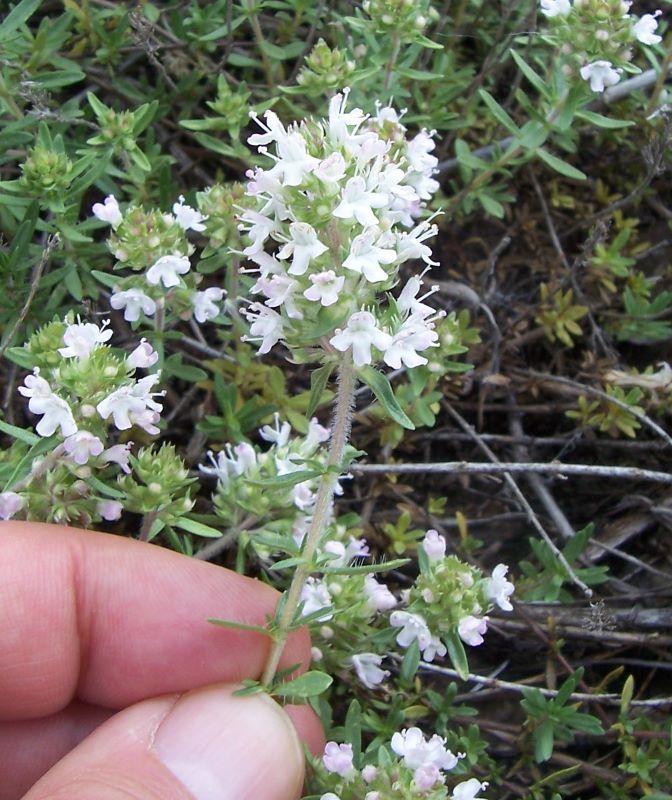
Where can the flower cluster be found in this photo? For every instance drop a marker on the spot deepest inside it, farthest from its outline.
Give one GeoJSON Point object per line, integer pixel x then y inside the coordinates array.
{"type": "Point", "coordinates": [239, 469]}
{"type": "Point", "coordinates": [417, 768]}
{"type": "Point", "coordinates": [449, 599]}
{"type": "Point", "coordinates": [155, 247]}
{"type": "Point", "coordinates": [82, 391]}
{"type": "Point", "coordinates": [597, 36]}
{"type": "Point", "coordinates": [328, 228]}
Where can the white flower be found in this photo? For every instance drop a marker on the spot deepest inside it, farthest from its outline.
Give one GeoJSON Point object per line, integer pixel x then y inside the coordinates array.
{"type": "Point", "coordinates": [329, 796]}
{"type": "Point", "coordinates": [266, 324]}
{"type": "Point", "coordinates": [467, 790]}
{"type": "Point", "coordinates": [435, 648]}
{"type": "Point", "coordinates": [315, 596]}
{"type": "Point", "coordinates": [275, 130]}
{"type": "Point", "coordinates": [133, 301]}
{"type": "Point", "coordinates": [331, 169]}
{"type": "Point", "coordinates": [601, 74]}
{"type": "Point", "coordinates": [82, 338]}
{"type": "Point", "coordinates": [303, 496]}
{"type": "Point", "coordinates": [410, 245]}
{"type": "Point", "coordinates": [471, 629]}
{"type": "Point", "coordinates": [340, 121]}
{"type": "Point", "coordinates": [293, 161]}
{"type": "Point", "coordinates": [357, 202]}
{"type": "Point", "coordinates": [366, 257]}
{"type": "Point", "coordinates": [325, 289]}
{"type": "Point", "coordinates": [110, 509]}
{"type": "Point", "coordinates": [82, 445]}
{"type": "Point", "coordinates": [378, 596]}
{"type": "Point", "coordinates": [417, 752]}
{"type": "Point", "coordinates": [317, 434]}
{"type": "Point", "coordinates": [369, 773]}
{"type": "Point", "coordinates": [188, 217]}
{"type": "Point", "coordinates": [166, 269]}
{"type": "Point", "coordinates": [415, 334]}
{"type": "Point", "coordinates": [413, 627]}
{"type": "Point", "coordinates": [434, 545]}
{"type": "Point", "coordinates": [361, 334]}
{"type": "Point", "coordinates": [133, 405]}
{"type": "Point", "coordinates": [367, 667]}
{"type": "Point", "coordinates": [10, 503]}
{"type": "Point", "coordinates": [644, 29]}
{"type": "Point", "coordinates": [279, 291]}
{"type": "Point", "coordinates": [337, 758]}
{"type": "Point", "coordinates": [108, 211]}
{"type": "Point", "coordinates": [498, 589]}
{"type": "Point", "coordinates": [303, 247]}
{"type": "Point", "coordinates": [408, 301]}
{"type": "Point", "coordinates": [260, 228]}
{"type": "Point", "coordinates": [278, 434]}
{"type": "Point", "coordinates": [230, 463]}
{"type": "Point", "coordinates": [119, 454]}
{"type": "Point", "coordinates": [205, 303]}
{"type": "Point", "coordinates": [143, 356]}
{"type": "Point", "coordinates": [56, 412]}
{"type": "Point", "coordinates": [555, 8]}
{"type": "Point", "coordinates": [418, 152]}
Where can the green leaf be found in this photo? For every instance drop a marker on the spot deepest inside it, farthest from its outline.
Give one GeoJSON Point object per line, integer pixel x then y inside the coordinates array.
{"type": "Point", "coordinates": [140, 159]}
{"type": "Point", "coordinates": [493, 207]}
{"type": "Point", "coordinates": [27, 437]}
{"type": "Point", "coordinates": [99, 109]}
{"type": "Point", "coordinates": [456, 653]}
{"type": "Point", "coordinates": [543, 742]}
{"type": "Point", "coordinates": [240, 626]}
{"type": "Point", "coordinates": [103, 488]}
{"type": "Point", "coordinates": [318, 382]}
{"type": "Point", "coordinates": [353, 729]}
{"type": "Point", "coordinates": [498, 112]}
{"type": "Point", "coordinates": [380, 386]}
{"type": "Point", "coordinates": [604, 122]}
{"type": "Point", "coordinates": [533, 77]}
{"type": "Point", "coordinates": [17, 16]}
{"type": "Point", "coordinates": [310, 684]}
{"type": "Point", "coordinates": [410, 664]}
{"type": "Point", "coordinates": [197, 528]}
{"type": "Point", "coordinates": [285, 481]}
{"type": "Point", "coordinates": [174, 365]}
{"type": "Point", "coordinates": [291, 50]}
{"type": "Point", "coordinates": [560, 166]}
{"type": "Point", "coordinates": [532, 135]}
{"type": "Point", "coordinates": [386, 566]}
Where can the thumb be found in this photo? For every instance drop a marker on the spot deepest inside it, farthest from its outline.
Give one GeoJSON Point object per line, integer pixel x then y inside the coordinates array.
{"type": "Point", "coordinates": [202, 745]}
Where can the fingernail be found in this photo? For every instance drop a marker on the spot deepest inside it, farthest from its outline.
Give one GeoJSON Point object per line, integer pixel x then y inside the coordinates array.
{"type": "Point", "coordinates": [220, 746]}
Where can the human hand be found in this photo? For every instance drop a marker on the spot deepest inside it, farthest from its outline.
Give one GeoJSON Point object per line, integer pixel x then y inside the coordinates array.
{"type": "Point", "coordinates": [110, 672]}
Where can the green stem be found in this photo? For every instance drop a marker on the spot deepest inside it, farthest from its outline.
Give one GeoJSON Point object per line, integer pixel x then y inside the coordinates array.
{"type": "Point", "coordinates": [394, 55]}
{"type": "Point", "coordinates": [261, 41]}
{"type": "Point", "coordinates": [340, 432]}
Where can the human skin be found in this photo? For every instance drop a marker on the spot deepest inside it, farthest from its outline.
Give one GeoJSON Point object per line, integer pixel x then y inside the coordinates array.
{"type": "Point", "coordinates": [114, 685]}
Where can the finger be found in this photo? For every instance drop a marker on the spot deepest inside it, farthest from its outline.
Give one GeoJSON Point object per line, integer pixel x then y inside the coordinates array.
{"type": "Point", "coordinates": [112, 621]}
{"type": "Point", "coordinates": [203, 745]}
{"type": "Point", "coordinates": [29, 748]}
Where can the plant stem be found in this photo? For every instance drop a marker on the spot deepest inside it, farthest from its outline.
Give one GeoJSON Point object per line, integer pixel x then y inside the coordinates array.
{"type": "Point", "coordinates": [394, 55]}
{"type": "Point", "coordinates": [261, 41]}
{"type": "Point", "coordinates": [340, 431]}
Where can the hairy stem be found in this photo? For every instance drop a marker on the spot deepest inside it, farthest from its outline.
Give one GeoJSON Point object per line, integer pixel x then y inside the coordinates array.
{"type": "Point", "coordinates": [339, 438]}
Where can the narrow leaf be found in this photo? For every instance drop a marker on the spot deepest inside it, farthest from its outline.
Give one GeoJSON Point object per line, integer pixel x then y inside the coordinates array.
{"type": "Point", "coordinates": [560, 166]}
{"type": "Point", "coordinates": [318, 381]}
{"type": "Point", "coordinates": [307, 685]}
{"type": "Point", "coordinates": [240, 626]}
{"type": "Point", "coordinates": [380, 386]}
{"type": "Point", "coordinates": [197, 528]}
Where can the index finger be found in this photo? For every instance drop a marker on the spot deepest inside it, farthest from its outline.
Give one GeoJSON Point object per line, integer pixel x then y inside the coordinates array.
{"type": "Point", "coordinates": [112, 621]}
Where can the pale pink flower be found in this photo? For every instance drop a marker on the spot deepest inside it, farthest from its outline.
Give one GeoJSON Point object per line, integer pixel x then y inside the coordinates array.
{"type": "Point", "coordinates": [133, 405]}
{"type": "Point", "coordinates": [266, 324]}
{"type": "Point", "coordinates": [315, 596]}
{"type": "Point", "coordinates": [82, 445]}
{"type": "Point", "coordinates": [434, 545]}
{"type": "Point", "coordinates": [555, 8]}
{"type": "Point", "coordinates": [110, 509]}
{"type": "Point", "coordinates": [426, 776]}
{"type": "Point", "coordinates": [143, 356]}
{"type": "Point", "coordinates": [417, 752]}
{"type": "Point", "coordinates": [118, 454]}
{"type": "Point", "coordinates": [367, 667]}
{"type": "Point", "coordinates": [10, 504]}
{"type": "Point", "coordinates": [413, 627]}
{"type": "Point", "coordinates": [337, 758]}
{"type": "Point", "coordinates": [415, 334]}
{"type": "Point", "coordinates": [378, 596]}
{"type": "Point", "coordinates": [471, 629]}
